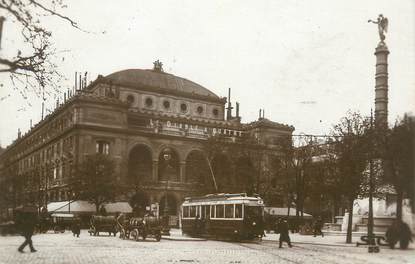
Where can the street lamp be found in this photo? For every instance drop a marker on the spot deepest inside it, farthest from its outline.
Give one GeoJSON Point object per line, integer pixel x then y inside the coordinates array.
{"type": "Point", "coordinates": [167, 157]}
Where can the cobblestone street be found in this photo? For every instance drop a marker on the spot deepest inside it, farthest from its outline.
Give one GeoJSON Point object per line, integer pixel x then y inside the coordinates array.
{"type": "Point", "coordinates": [64, 248]}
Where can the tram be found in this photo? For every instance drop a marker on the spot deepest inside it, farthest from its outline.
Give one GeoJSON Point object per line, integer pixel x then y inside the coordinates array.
{"type": "Point", "coordinates": [234, 216]}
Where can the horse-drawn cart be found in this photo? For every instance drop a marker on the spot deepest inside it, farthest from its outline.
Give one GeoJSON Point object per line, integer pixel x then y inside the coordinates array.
{"type": "Point", "coordinates": [137, 227]}
{"type": "Point", "coordinates": [100, 223]}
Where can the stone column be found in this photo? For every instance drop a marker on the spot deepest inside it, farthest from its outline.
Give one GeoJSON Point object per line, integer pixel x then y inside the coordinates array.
{"type": "Point", "coordinates": [182, 171]}
{"type": "Point", "coordinates": [155, 170]}
{"type": "Point", "coordinates": [381, 85]}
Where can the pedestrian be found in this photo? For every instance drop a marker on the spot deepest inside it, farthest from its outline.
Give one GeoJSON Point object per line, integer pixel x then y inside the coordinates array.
{"type": "Point", "coordinates": [26, 220]}
{"type": "Point", "coordinates": [318, 225]}
{"type": "Point", "coordinates": [405, 235]}
{"type": "Point", "coordinates": [102, 211]}
{"type": "Point", "coordinates": [76, 227]}
{"type": "Point", "coordinates": [400, 232]}
{"type": "Point", "coordinates": [196, 226]}
{"type": "Point", "coordinates": [284, 233]}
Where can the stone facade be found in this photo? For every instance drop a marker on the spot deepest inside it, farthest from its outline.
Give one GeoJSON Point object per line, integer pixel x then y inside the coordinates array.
{"type": "Point", "coordinates": [133, 116]}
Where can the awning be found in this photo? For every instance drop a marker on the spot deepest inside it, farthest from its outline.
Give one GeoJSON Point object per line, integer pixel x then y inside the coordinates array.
{"type": "Point", "coordinates": [122, 207]}
{"type": "Point", "coordinates": [87, 207]}
{"type": "Point", "coordinates": [71, 206]}
{"type": "Point", "coordinates": [282, 211]}
{"type": "Point", "coordinates": [62, 215]}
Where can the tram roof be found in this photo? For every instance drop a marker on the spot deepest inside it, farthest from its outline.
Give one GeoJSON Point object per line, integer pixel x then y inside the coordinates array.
{"type": "Point", "coordinates": [222, 197]}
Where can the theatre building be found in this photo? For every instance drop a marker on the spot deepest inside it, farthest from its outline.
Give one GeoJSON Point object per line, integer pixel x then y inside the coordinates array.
{"type": "Point", "coordinates": [155, 126]}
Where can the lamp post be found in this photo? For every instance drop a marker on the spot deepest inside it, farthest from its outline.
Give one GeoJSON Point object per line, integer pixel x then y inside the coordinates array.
{"type": "Point", "coordinates": [372, 247]}
{"type": "Point", "coordinates": [167, 158]}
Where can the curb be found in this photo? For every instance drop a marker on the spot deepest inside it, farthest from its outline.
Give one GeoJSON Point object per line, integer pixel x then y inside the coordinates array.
{"type": "Point", "coordinates": [176, 238]}
{"type": "Point", "coordinates": [313, 243]}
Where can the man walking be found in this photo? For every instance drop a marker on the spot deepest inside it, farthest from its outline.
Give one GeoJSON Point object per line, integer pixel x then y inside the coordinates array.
{"type": "Point", "coordinates": [284, 232]}
{"type": "Point", "coordinates": [318, 225]}
{"type": "Point", "coordinates": [26, 220]}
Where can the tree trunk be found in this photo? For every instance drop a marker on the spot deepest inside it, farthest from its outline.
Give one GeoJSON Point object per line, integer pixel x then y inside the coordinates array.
{"type": "Point", "coordinates": [399, 200]}
{"type": "Point", "coordinates": [334, 210]}
{"type": "Point", "coordinates": [350, 222]}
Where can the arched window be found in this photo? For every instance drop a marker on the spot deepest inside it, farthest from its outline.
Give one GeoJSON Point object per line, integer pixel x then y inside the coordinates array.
{"type": "Point", "coordinates": [140, 165]}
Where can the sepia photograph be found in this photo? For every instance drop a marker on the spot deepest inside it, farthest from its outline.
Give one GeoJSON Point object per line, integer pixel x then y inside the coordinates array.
{"type": "Point", "coordinates": [221, 131]}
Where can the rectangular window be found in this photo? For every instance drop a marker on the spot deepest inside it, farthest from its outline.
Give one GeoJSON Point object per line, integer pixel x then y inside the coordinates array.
{"type": "Point", "coordinates": [229, 209]}
{"type": "Point", "coordinates": [220, 211]}
{"type": "Point", "coordinates": [192, 211]}
{"type": "Point", "coordinates": [212, 211]}
{"type": "Point", "coordinates": [238, 210]}
{"type": "Point", "coordinates": [102, 147]}
{"type": "Point", "coordinates": [185, 211]}
{"type": "Point", "coordinates": [203, 215]}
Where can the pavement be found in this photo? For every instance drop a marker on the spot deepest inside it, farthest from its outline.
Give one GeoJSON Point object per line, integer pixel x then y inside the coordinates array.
{"type": "Point", "coordinates": [63, 248]}
{"type": "Point", "coordinates": [337, 240]}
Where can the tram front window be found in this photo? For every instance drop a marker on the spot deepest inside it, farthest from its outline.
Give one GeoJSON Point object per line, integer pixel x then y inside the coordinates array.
{"type": "Point", "coordinates": [253, 212]}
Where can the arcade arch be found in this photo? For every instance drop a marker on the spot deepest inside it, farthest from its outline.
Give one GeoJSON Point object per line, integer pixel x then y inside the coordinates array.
{"type": "Point", "coordinates": [140, 164]}
{"type": "Point", "coordinates": [171, 204]}
{"type": "Point", "coordinates": [169, 168]}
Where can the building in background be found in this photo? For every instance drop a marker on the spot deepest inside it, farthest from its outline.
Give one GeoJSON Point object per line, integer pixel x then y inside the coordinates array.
{"type": "Point", "coordinates": [133, 116]}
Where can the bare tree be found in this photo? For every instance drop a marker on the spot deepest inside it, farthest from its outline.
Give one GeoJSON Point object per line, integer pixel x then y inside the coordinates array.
{"type": "Point", "coordinates": [95, 181]}
{"type": "Point", "coordinates": [298, 170]}
{"type": "Point", "coordinates": [32, 67]}
{"type": "Point", "coordinates": [351, 148]}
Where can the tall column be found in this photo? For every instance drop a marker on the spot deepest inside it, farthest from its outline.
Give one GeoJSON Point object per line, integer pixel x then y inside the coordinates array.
{"type": "Point", "coordinates": [182, 171]}
{"type": "Point", "coordinates": [381, 86]}
{"type": "Point", "coordinates": [155, 170]}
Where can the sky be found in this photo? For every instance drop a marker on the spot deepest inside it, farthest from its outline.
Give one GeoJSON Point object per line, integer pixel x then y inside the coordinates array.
{"type": "Point", "coordinates": [305, 62]}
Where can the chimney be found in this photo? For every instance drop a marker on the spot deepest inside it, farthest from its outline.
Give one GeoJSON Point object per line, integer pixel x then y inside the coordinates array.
{"type": "Point", "coordinates": [76, 78]}
{"type": "Point", "coordinates": [19, 133]}
{"type": "Point", "coordinates": [229, 108]}
{"type": "Point", "coordinates": [237, 109]}
{"type": "Point", "coordinates": [85, 79]}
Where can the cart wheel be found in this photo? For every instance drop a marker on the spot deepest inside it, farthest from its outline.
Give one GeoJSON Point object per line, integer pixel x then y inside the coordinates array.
{"type": "Point", "coordinates": [135, 234]}
{"type": "Point", "coordinates": [158, 236]}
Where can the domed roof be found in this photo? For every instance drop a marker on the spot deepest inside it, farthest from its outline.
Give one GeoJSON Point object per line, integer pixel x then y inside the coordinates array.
{"type": "Point", "coordinates": [158, 79]}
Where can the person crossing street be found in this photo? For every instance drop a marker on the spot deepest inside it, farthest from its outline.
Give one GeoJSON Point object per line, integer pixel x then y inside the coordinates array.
{"type": "Point", "coordinates": [26, 220]}
{"type": "Point", "coordinates": [284, 233]}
